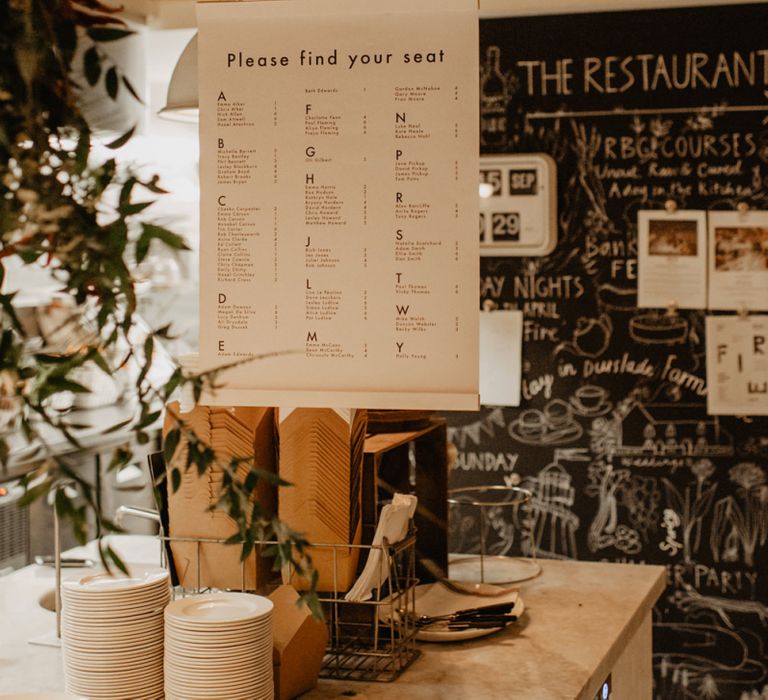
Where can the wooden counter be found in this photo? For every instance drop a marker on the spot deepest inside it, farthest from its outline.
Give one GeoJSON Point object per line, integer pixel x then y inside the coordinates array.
{"type": "Point", "coordinates": [583, 621]}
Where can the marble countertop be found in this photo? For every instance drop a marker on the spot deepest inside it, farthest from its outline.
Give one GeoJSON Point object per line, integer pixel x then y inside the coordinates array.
{"type": "Point", "coordinates": [579, 617]}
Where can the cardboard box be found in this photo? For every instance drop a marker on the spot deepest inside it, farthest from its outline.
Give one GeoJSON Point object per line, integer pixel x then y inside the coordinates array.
{"type": "Point", "coordinates": [321, 455]}
{"type": "Point", "coordinates": [299, 644]}
{"type": "Point", "coordinates": [232, 432]}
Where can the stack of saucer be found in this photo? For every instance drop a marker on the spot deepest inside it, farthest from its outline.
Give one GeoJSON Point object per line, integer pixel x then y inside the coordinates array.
{"type": "Point", "coordinates": [219, 646]}
{"type": "Point", "coordinates": [112, 633]}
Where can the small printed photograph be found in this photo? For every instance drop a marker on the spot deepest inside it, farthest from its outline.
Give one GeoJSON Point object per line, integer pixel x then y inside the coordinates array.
{"type": "Point", "coordinates": [667, 237]}
{"type": "Point", "coordinates": [742, 249]}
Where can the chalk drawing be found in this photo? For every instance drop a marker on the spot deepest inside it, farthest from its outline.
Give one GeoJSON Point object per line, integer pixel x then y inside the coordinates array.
{"type": "Point", "coordinates": [551, 531]}
{"type": "Point", "coordinates": [740, 522]}
{"type": "Point", "coordinates": [673, 429]}
{"type": "Point", "coordinates": [591, 337]}
{"type": "Point", "coordinates": [554, 425]}
{"type": "Point", "coordinates": [692, 505]}
{"type": "Point", "coordinates": [477, 431]}
{"type": "Point", "coordinates": [697, 660]}
{"type": "Point", "coordinates": [691, 602]}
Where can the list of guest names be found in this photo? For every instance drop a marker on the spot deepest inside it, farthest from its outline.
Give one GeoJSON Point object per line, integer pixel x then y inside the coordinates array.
{"type": "Point", "coordinates": [338, 202]}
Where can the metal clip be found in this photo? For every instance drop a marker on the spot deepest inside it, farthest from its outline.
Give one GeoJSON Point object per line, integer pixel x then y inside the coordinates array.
{"type": "Point", "coordinates": [672, 308]}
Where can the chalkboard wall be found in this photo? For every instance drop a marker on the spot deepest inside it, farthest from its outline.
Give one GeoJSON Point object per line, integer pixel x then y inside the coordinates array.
{"type": "Point", "coordinates": [612, 435]}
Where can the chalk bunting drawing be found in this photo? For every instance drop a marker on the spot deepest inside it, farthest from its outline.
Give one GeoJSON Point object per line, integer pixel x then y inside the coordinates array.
{"type": "Point", "coordinates": [475, 432]}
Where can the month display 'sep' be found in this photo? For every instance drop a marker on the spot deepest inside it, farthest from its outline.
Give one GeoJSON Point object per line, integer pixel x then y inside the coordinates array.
{"type": "Point", "coordinates": [339, 258]}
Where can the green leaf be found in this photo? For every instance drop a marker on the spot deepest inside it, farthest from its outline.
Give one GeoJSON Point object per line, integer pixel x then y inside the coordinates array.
{"type": "Point", "coordinates": [121, 140]}
{"type": "Point", "coordinates": [108, 33]}
{"type": "Point", "coordinates": [49, 359]}
{"type": "Point", "coordinates": [63, 504]}
{"type": "Point", "coordinates": [250, 481]}
{"type": "Point", "coordinates": [126, 189]}
{"type": "Point", "coordinates": [118, 237]}
{"type": "Point", "coordinates": [120, 458]}
{"type": "Point", "coordinates": [76, 426]}
{"type": "Point", "coordinates": [92, 65]}
{"type": "Point", "coordinates": [117, 560]}
{"type": "Point", "coordinates": [149, 419]}
{"type": "Point", "coordinates": [64, 384]}
{"type": "Point", "coordinates": [117, 426]}
{"type": "Point", "coordinates": [101, 363]}
{"type": "Point", "coordinates": [165, 332]}
{"type": "Point", "coordinates": [247, 548]}
{"type": "Point", "coordinates": [32, 494]}
{"type": "Point", "coordinates": [171, 239]}
{"type": "Point", "coordinates": [149, 347]}
{"type": "Point", "coordinates": [82, 150]}
{"type": "Point", "coordinates": [135, 208]}
{"type": "Point", "coordinates": [6, 300]}
{"type": "Point", "coordinates": [175, 479]}
{"type": "Point", "coordinates": [132, 90]}
{"type": "Point", "coordinates": [170, 443]}
{"type": "Point", "coordinates": [152, 186]}
{"type": "Point", "coordinates": [142, 248]}
{"type": "Point", "coordinates": [111, 83]}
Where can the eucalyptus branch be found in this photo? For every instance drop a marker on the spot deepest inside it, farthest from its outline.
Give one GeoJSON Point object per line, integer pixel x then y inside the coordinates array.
{"type": "Point", "coordinates": [81, 222]}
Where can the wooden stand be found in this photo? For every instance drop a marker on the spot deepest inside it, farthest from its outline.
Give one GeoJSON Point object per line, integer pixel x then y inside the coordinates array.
{"type": "Point", "coordinates": [387, 469]}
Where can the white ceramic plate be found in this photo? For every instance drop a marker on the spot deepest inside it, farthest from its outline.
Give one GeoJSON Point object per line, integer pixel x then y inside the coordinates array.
{"type": "Point", "coordinates": [435, 599]}
{"type": "Point", "coordinates": [496, 569]}
{"type": "Point", "coordinates": [212, 609]}
{"type": "Point", "coordinates": [41, 696]}
{"type": "Point", "coordinates": [102, 582]}
{"type": "Point", "coordinates": [218, 631]}
{"type": "Point", "coordinates": [203, 654]}
{"type": "Point", "coordinates": [128, 612]}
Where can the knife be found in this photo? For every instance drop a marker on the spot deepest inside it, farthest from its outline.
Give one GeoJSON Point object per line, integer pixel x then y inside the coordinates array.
{"type": "Point", "coordinates": [468, 624]}
{"type": "Point", "coordinates": [501, 608]}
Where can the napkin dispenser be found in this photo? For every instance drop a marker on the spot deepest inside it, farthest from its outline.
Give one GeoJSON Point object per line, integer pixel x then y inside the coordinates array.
{"type": "Point", "coordinates": [299, 644]}
{"type": "Point", "coordinates": [232, 432]}
{"type": "Point", "coordinates": [321, 455]}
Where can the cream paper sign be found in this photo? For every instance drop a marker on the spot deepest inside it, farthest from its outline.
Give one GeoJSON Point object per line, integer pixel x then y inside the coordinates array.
{"type": "Point", "coordinates": [737, 365]}
{"type": "Point", "coordinates": [738, 260]}
{"type": "Point", "coordinates": [501, 353]}
{"type": "Point", "coordinates": [672, 259]}
{"type": "Point", "coordinates": [339, 202]}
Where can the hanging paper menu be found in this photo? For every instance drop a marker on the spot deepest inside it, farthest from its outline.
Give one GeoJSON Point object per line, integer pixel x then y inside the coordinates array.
{"type": "Point", "coordinates": [737, 365]}
{"type": "Point", "coordinates": [339, 202]}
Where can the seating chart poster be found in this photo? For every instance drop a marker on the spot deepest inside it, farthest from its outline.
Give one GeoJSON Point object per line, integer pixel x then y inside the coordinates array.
{"type": "Point", "coordinates": [339, 202]}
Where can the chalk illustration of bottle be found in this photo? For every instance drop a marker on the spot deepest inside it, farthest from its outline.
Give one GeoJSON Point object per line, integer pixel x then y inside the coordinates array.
{"type": "Point", "coordinates": [493, 100]}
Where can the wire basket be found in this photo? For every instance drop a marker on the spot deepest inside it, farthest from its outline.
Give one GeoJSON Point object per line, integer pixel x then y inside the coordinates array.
{"type": "Point", "coordinates": [373, 640]}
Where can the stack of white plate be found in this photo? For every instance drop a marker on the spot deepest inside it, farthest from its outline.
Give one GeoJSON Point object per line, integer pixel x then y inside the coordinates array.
{"type": "Point", "coordinates": [218, 646]}
{"type": "Point", "coordinates": [112, 634]}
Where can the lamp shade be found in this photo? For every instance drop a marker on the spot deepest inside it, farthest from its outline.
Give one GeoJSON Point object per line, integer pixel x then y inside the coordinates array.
{"type": "Point", "coordinates": [181, 102]}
